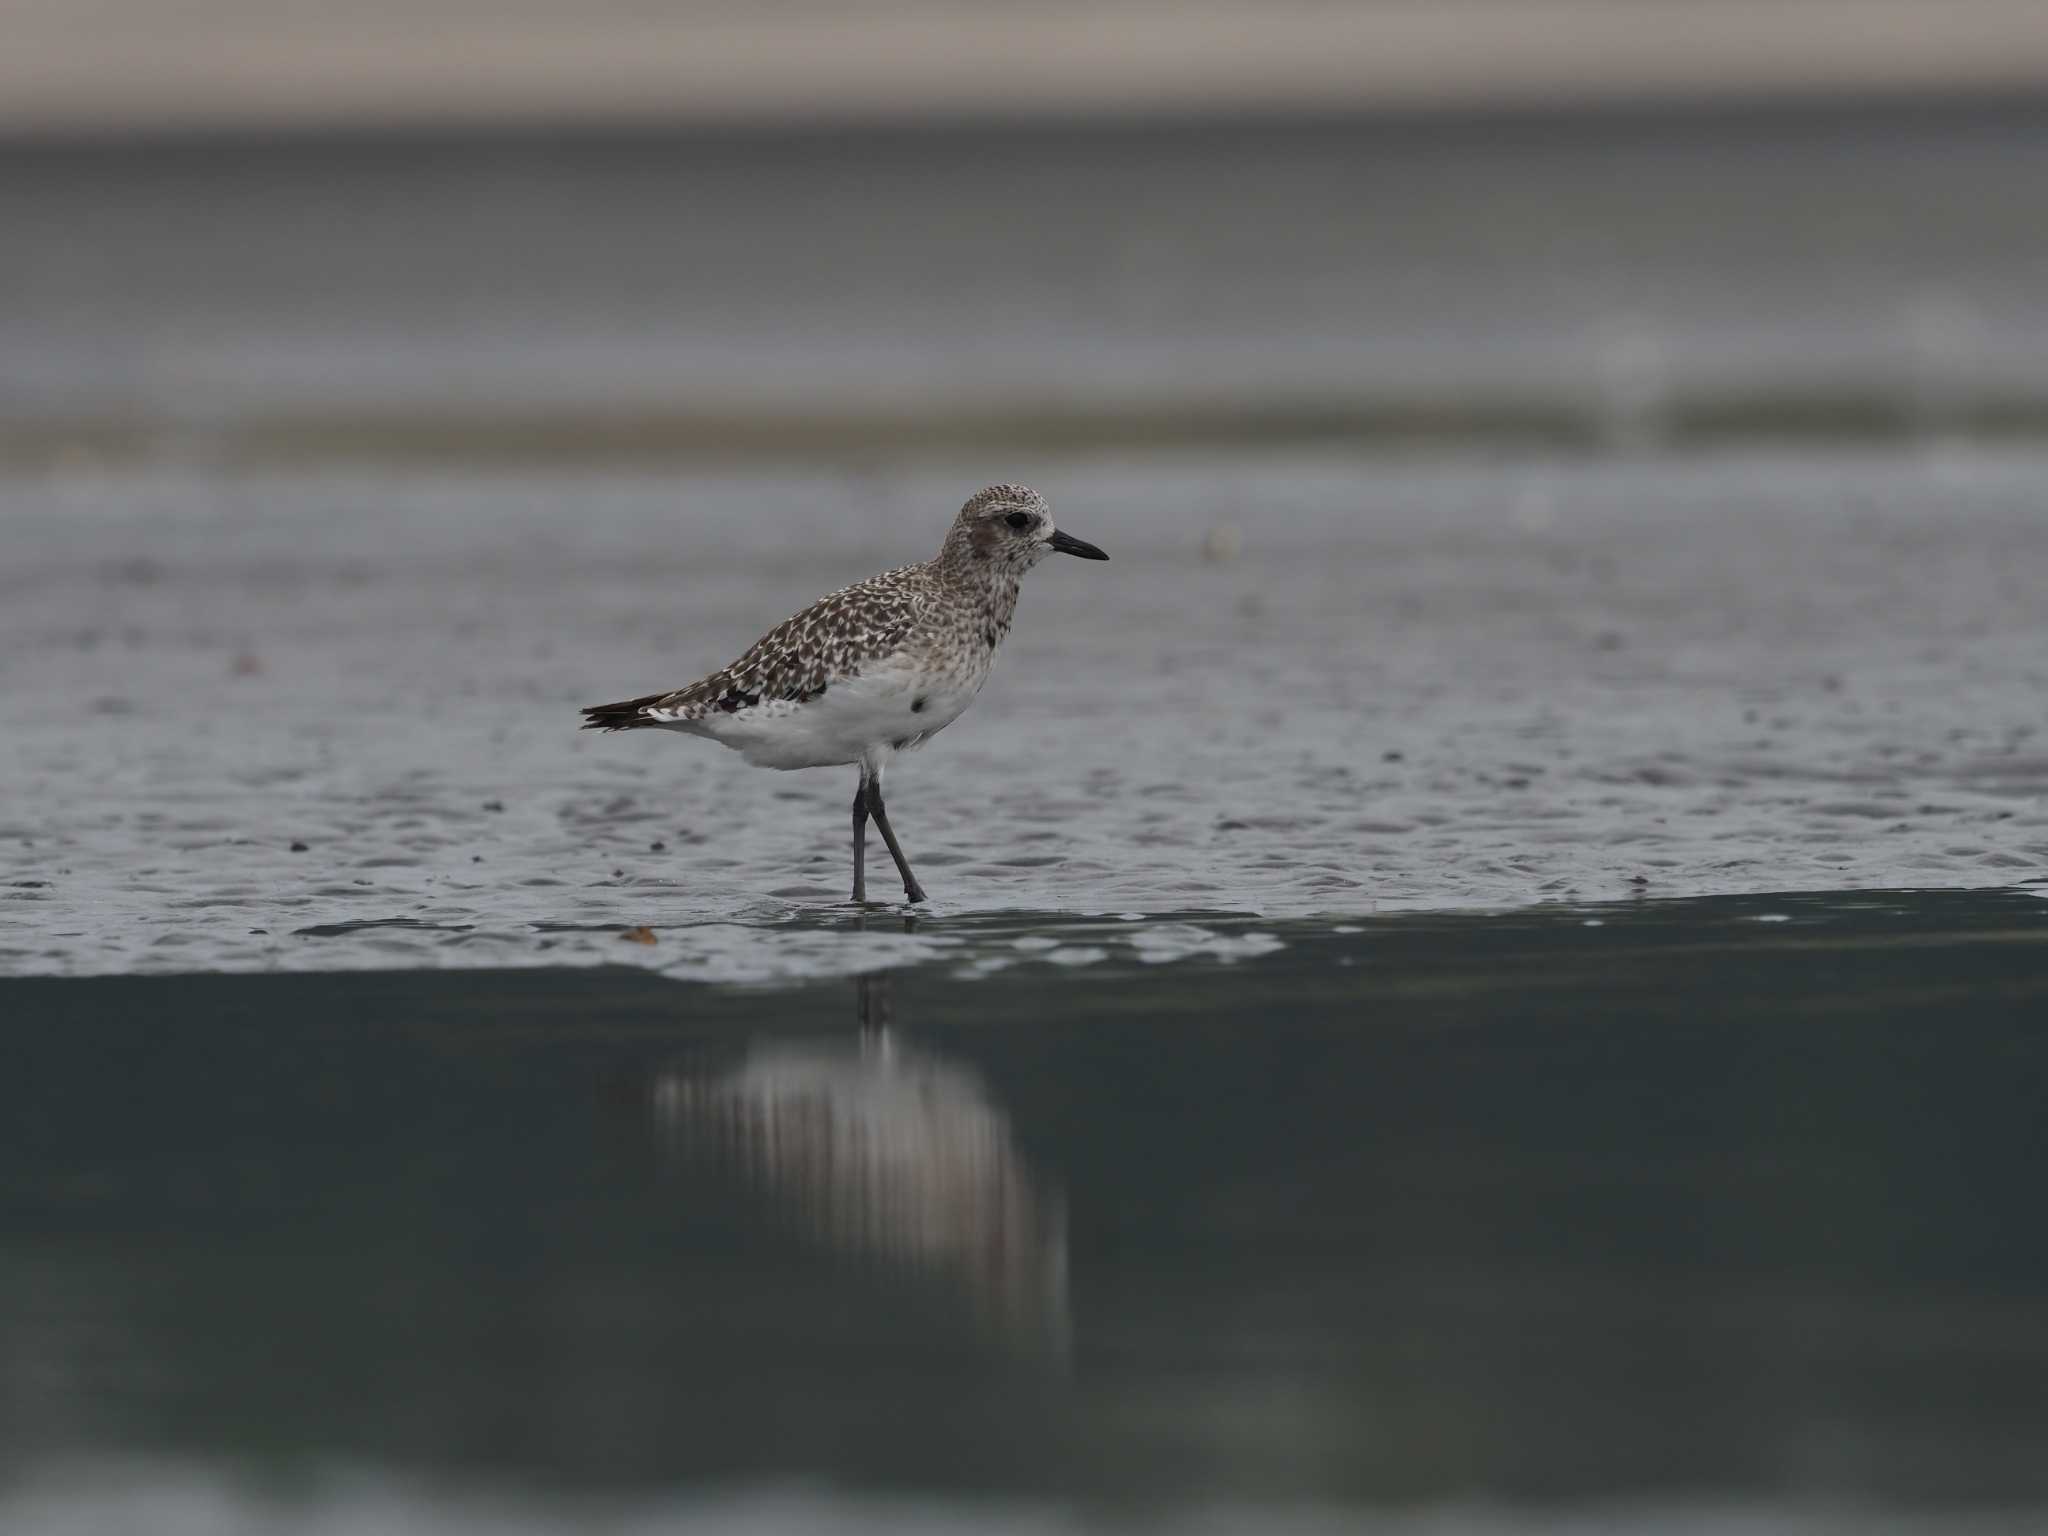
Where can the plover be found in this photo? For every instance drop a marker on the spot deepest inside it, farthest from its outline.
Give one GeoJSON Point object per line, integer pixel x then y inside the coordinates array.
{"type": "Point", "coordinates": [873, 669]}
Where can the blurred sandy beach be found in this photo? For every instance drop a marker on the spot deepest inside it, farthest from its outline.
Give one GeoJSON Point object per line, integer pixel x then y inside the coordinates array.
{"type": "Point", "coordinates": [199, 64]}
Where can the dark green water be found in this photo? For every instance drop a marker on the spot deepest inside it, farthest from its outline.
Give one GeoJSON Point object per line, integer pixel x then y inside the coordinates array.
{"type": "Point", "coordinates": [1730, 1199]}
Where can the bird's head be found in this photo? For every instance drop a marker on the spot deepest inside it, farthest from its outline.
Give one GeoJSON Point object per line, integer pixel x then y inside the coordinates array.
{"type": "Point", "coordinates": [1010, 528]}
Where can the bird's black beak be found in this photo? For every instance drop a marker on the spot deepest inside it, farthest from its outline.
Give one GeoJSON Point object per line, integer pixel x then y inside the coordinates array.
{"type": "Point", "coordinates": [1067, 544]}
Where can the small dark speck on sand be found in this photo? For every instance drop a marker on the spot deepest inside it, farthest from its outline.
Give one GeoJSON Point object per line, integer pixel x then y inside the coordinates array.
{"type": "Point", "coordinates": [494, 805]}
{"type": "Point", "coordinates": [259, 930]}
{"type": "Point", "coordinates": [298, 847]}
{"type": "Point", "coordinates": [1638, 879]}
{"type": "Point", "coordinates": [476, 858]}
{"type": "Point", "coordinates": [657, 846]}
{"type": "Point", "coordinates": [618, 874]}
{"type": "Point", "coordinates": [1393, 757]}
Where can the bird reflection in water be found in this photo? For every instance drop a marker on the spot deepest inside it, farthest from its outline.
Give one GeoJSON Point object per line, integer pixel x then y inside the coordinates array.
{"type": "Point", "coordinates": [889, 1155]}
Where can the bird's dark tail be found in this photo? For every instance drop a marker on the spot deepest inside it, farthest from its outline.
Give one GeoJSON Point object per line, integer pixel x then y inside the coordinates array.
{"type": "Point", "coordinates": [626, 715]}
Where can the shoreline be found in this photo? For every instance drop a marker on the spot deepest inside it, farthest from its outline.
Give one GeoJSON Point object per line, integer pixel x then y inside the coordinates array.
{"type": "Point", "coordinates": [799, 950]}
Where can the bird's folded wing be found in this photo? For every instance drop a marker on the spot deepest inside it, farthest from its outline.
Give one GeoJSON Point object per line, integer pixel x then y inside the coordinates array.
{"type": "Point", "coordinates": [829, 642]}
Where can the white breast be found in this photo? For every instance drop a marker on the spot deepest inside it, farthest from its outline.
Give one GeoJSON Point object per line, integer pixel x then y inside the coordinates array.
{"type": "Point", "coordinates": [891, 708]}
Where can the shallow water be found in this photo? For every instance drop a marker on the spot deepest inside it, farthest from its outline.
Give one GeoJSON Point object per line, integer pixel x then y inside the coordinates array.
{"type": "Point", "coordinates": [1707, 1216]}
{"type": "Point", "coordinates": [329, 722]}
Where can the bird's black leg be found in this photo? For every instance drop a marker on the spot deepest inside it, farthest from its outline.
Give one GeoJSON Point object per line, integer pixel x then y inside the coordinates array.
{"type": "Point", "coordinates": [912, 891]}
{"type": "Point", "coordinates": [860, 838]}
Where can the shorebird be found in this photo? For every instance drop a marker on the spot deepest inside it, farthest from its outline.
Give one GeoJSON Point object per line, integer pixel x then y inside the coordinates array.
{"type": "Point", "coordinates": [873, 669]}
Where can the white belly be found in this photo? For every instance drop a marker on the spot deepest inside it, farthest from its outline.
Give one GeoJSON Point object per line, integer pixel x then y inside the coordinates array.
{"type": "Point", "coordinates": [888, 710]}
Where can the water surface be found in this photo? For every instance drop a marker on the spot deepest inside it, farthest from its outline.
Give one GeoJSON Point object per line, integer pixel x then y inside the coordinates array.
{"type": "Point", "coordinates": [1702, 1215]}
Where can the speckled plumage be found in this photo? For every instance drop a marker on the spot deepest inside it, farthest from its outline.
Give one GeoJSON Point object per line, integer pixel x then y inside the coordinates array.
{"type": "Point", "coordinates": [876, 668]}
{"type": "Point", "coordinates": [801, 657]}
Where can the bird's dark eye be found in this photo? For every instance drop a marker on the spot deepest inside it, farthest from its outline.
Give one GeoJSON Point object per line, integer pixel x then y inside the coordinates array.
{"type": "Point", "coordinates": [1019, 520]}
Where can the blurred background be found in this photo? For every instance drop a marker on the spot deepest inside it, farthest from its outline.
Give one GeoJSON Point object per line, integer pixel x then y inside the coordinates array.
{"type": "Point", "coordinates": [1580, 461]}
{"type": "Point", "coordinates": [462, 230]}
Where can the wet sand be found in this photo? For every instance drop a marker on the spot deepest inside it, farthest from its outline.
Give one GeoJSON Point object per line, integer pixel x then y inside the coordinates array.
{"type": "Point", "coordinates": [316, 723]}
